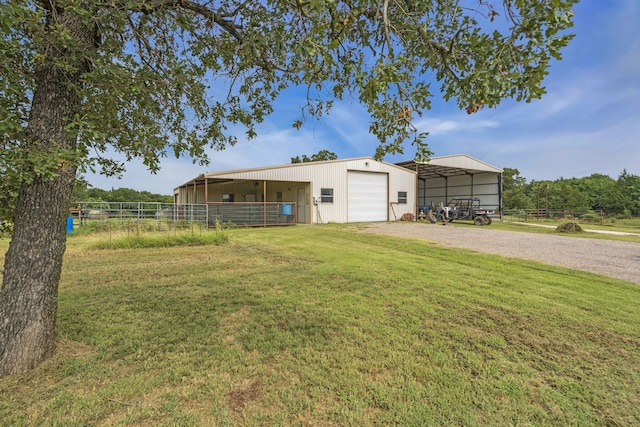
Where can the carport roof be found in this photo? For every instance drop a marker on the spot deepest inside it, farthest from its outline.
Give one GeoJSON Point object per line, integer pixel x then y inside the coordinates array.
{"type": "Point", "coordinates": [446, 166]}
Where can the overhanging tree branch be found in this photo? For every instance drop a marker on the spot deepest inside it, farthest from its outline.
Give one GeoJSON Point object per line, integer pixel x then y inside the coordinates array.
{"type": "Point", "coordinates": [203, 65]}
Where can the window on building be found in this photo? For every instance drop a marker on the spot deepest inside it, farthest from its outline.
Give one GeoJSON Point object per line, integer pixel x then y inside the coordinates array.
{"type": "Point", "coordinates": [402, 197]}
{"type": "Point", "coordinates": [227, 197]}
{"type": "Point", "coordinates": [326, 195]}
{"type": "Point", "coordinates": [278, 196]}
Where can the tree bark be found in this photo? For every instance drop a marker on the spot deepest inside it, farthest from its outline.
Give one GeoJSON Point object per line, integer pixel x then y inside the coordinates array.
{"type": "Point", "coordinates": [33, 263]}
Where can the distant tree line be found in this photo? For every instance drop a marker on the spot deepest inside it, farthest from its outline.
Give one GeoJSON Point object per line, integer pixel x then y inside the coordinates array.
{"type": "Point", "coordinates": [83, 192]}
{"type": "Point", "coordinates": [595, 192]}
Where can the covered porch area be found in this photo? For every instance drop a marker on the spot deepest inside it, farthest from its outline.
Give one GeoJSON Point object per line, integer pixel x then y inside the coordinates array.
{"type": "Point", "coordinates": [247, 202]}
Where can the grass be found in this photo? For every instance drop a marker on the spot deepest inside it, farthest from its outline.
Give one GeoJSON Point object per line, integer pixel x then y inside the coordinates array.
{"type": "Point", "coordinates": [325, 326]}
{"type": "Point", "coordinates": [532, 227]}
{"type": "Point", "coordinates": [147, 240]}
{"type": "Point", "coordinates": [630, 225]}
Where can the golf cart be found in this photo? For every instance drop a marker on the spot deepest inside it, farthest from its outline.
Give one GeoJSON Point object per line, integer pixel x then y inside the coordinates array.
{"type": "Point", "coordinates": [460, 208]}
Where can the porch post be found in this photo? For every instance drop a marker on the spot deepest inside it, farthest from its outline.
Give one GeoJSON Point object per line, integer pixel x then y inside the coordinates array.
{"type": "Point", "coordinates": [264, 202]}
{"type": "Point", "coordinates": [206, 202]}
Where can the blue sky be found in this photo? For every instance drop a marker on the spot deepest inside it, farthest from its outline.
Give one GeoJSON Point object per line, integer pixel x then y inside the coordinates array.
{"type": "Point", "coordinates": [588, 122]}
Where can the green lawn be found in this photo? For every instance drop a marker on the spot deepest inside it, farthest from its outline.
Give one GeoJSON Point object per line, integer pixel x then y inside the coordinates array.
{"type": "Point", "coordinates": [610, 224]}
{"type": "Point", "coordinates": [534, 227]}
{"type": "Point", "coordinates": [321, 325]}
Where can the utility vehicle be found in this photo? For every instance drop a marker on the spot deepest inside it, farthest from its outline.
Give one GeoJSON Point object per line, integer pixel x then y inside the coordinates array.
{"type": "Point", "coordinates": [464, 208]}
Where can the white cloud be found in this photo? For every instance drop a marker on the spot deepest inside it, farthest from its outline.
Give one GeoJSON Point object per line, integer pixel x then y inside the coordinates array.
{"type": "Point", "coordinates": [438, 126]}
{"type": "Point", "coordinates": [348, 131]}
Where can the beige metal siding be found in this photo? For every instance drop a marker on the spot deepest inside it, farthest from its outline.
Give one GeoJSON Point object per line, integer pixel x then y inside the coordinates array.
{"type": "Point", "coordinates": [401, 182]}
{"type": "Point", "coordinates": [463, 161]}
{"type": "Point", "coordinates": [332, 175]}
{"type": "Point", "coordinates": [190, 194]}
{"type": "Point", "coordinates": [311, 177]}
{"type": "Point", "coordinates": [486, 187]}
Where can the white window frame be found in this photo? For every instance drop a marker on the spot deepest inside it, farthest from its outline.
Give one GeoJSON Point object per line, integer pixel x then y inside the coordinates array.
{"type": "Point", "coordinates": [402, 200]}
{"type": "Point", "coordinates": [326, 195]}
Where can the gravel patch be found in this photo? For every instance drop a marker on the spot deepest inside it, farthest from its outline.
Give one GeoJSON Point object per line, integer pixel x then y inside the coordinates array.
{"type": "Point", "coordinates": [620, 260]}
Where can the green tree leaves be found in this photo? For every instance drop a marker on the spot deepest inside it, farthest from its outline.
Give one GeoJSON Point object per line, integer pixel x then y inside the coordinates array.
{"type": "Point", "coordinates": [594, 192]}
{"type": "Point", "coordinates": [514, 190]}
{"type": "Point", "coordinates": [174, 78]}
{"type": "Point", "coordinates": [179, 78]}
{"type": "Point", "coordinates": [320, 156]}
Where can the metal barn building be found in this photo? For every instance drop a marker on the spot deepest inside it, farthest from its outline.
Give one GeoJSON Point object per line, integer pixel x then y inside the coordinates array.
{"type": "Point", "coordinates": [350, 190]}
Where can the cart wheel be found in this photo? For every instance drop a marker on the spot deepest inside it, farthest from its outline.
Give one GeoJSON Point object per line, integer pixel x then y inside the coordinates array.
{"type": "Point", "coordinates": [432, 219]}
{"type": "Point", "coordinates": [479, 220]}
{"type": "Point", "coordinates": [440, 218]}
{"type": "Point", "coordinates": [487, 220]}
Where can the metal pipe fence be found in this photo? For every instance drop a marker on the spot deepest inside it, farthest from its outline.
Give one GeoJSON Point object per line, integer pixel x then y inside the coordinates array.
{"type": "Point", "coordinates": [536, 215]}
{"type": "Point", "coordinates": [139, 216]}
{"type": "Point", "coordinates": [252, 214]}
{"type": "Point", "coordinates": [151, 216]}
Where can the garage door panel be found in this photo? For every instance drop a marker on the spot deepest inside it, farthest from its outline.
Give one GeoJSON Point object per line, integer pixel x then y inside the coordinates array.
{"type": "Point", "coordinates": [367, 196]}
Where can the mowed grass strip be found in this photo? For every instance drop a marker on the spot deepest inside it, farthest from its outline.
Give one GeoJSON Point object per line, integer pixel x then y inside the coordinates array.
{"type": "Point", "coordinates": [325, 326]}
{"type": "Point", "coordinates": [534, 227]}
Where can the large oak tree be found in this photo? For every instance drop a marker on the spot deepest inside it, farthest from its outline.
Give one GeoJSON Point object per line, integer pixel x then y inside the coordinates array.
{"type": "Point", "coordinates": [149, 78]}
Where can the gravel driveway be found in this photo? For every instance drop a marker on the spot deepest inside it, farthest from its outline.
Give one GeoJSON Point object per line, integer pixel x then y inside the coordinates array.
{"type": "Point", "coordinates": [620, 260]}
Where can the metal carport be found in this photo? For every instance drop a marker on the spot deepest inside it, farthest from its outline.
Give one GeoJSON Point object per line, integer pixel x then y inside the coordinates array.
{"type": "Point", "coordinates": [460, 175]}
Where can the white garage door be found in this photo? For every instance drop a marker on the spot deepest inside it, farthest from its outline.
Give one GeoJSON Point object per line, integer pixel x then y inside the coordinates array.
{"type": "Point", "coordinates": [368, 196]}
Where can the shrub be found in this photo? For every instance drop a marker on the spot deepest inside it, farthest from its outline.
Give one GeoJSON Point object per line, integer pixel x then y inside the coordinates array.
{"type": "Point", "coordinates": [6, 228]}
{"type": "Point", "coordinates": [569, 227]}
{"type": "Point", "coordinates": [626, 214]}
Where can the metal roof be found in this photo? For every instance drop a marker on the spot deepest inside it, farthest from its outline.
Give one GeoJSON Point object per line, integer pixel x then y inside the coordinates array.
{"type": "Point", "coordinates": [436, 167]}
{"type": "Point", "coordinates": [446, 166]}
{"type": "Point", "coordinates": [261, 172]}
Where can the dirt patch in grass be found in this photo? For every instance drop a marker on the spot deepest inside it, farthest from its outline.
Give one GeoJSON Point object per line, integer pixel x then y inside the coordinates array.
{"type": "Point", "coordinates": [244, 393]}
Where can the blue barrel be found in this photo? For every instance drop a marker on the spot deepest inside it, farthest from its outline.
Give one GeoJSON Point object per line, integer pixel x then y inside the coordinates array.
{"type": "Point", "coordinates": [287, 209]}
{"type": "Point", "coordinates": [69, 224]}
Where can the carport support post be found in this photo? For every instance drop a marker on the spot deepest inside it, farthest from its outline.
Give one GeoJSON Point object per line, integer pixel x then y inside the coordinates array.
{"type": "Point", "coordinates": [446, 189]}
{"type": "Point", "coordinates": [500, 195]}
{"type": "Point", "coordinates": [415, 201]}
{"type": "Point", "coordinates": [472, 187]}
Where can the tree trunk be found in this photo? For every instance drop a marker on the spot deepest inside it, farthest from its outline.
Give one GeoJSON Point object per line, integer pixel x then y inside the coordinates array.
{"type": "Point", "coordinates": [28, 299]}
{"type": "Point", "coordinates": [29, 294]}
